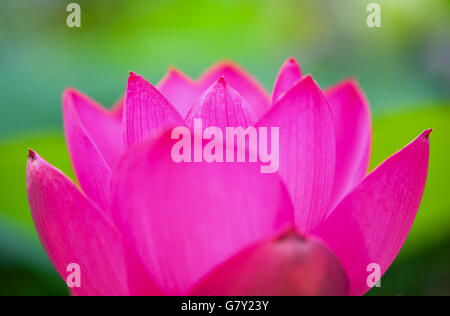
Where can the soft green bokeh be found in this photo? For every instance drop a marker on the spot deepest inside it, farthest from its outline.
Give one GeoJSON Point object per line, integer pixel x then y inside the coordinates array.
{"type": "Point", "coordinates": [404, 62]}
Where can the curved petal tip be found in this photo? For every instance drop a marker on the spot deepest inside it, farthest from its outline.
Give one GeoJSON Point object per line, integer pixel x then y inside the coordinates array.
{"type": "Point", "coordinates": [293, 65]}
{"type": "Point", "coordinates": [427, 133]}
{"type": "Point", "coordinates": [31, 155]}
{"type": "Point", "coordinates": [34, 161]}
{"type": "Point", "coordinates": [133, 75]}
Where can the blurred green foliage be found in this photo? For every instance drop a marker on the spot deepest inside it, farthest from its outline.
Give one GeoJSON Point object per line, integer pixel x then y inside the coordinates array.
{"type": "Point", "coordinates": [403, 62]}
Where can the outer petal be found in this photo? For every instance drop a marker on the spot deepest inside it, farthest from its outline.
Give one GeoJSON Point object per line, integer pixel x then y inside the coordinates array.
{"type": "Point", "coordinates": [242, 82]}
{"type": "Point", "coordinates": [146, 111]}
{"type": "Point", "coordinates": [186, 218]}
{"type": "Point", "coordinates": [285, 265]}
{"type": "Point", "coordinates": [180, 90]}
{"type": "Point", "coordinates": [307, 150]}
{"type": "Point", "coordinates": [73, 230]}
{"type": "Point", "coordinates": [102, 126]}
{"type": "Point", "coordinates": [221, 106]}
{"type": "Point", "coordinates": [289, 74]}
{"type": "Point", "coordinates": [352, 127]}
{"type": "Point", "coordinates": [371, 224]}
{"type": "Point", "coordinates": [91, 168]}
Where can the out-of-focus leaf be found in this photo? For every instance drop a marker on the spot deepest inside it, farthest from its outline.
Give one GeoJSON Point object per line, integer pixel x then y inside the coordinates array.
{"type": "Point", "coordinates": [24, 267]}
{"type": "Point", "coordinates": [421, 274]}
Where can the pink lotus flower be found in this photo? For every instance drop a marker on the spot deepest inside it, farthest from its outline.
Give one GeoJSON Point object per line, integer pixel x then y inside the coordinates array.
{"type": "Point", "coordinates": [142, 224]}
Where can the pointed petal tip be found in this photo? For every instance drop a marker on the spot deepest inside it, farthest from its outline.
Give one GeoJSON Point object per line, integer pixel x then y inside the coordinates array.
{"type": "Point", "coordinates": [34, 158]}
{"type": "Point", "coordinates": [34, 163]}
{"type": "Point", "coordinates": [146, 110]}
{"type": "Point", "coordinates": [72, 97]}
{"type": "Point", "coordinates": [222, 81]}
{"type": "Point", "coordinates": [288, 75]}
{"type": "Point", "coordinates": [427, 133]}
{"type": "Point", "coordinates": [352, 85]}
{"type": "Point", "coordinates": [172, 70]}
{"type": "Point", "coordinates": [32, 155]}
{"type": "Point", "coordinates": [307, 81]}
{"type": "Point", "coordinates": [226, 63]}
{"type": "Point", "coordinates": [308, 78]}
{"type": "Point", "coordinates": [292, 61]}
{"type": "Point", "coordinates": [350, 82]}
{"type": "Point", "coordinates": [225, 106]}
{"type": "Point", "coordinates": [353, 81]}
{"type": "Point", "coordinates": [137, 78]}
{"type": "Point", "coordinates": [69, 93]}
{"type": "Point", "coordinates": [69, 96]}
{"type": "Point", "coordinates": [293, 64]}
{"type": "Point", "coordinates": [423, 139]}
{"type": "Point", "coordinates": [133, 75]}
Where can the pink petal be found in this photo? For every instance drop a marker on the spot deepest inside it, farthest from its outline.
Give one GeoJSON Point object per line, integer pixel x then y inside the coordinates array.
{"type": "Point", "coordinates": [146, 111]}
{"type": "Point", "coordinates": [74, 230]}
{"type": "Point", "coordinates": [287, 265]}
{"type": "Point", "coordinates": [371, 224]}
{"type": "Point", "coordinates": [242, 82]}
{"type": "Point", "coordinates": [103, 128]}
{"type": "Point", "coordinates": [180, 90]}
{"type": "Point", "coordinates": [185, 218]}
{"type": "Point", "coordinates": [352, 127]}
{"type": "Point", "coordinates": [91, 168]}
{"type": "Point", "coordinates": [221, 106]}
{"type": "Point", "coordinates": [307, 150]}
{"type": "Point", "coordinates": [176, 86]}
{"type": "Point", "coordinates": [289, 74]}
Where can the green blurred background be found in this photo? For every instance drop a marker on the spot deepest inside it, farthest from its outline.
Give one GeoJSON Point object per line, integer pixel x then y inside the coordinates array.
{"type": "Point", "coordinates": [403, 66]}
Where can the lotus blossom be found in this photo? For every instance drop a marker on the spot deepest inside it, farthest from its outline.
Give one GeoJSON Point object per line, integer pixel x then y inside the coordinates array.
{"type": "Point", "coordinates": [141, 224]}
